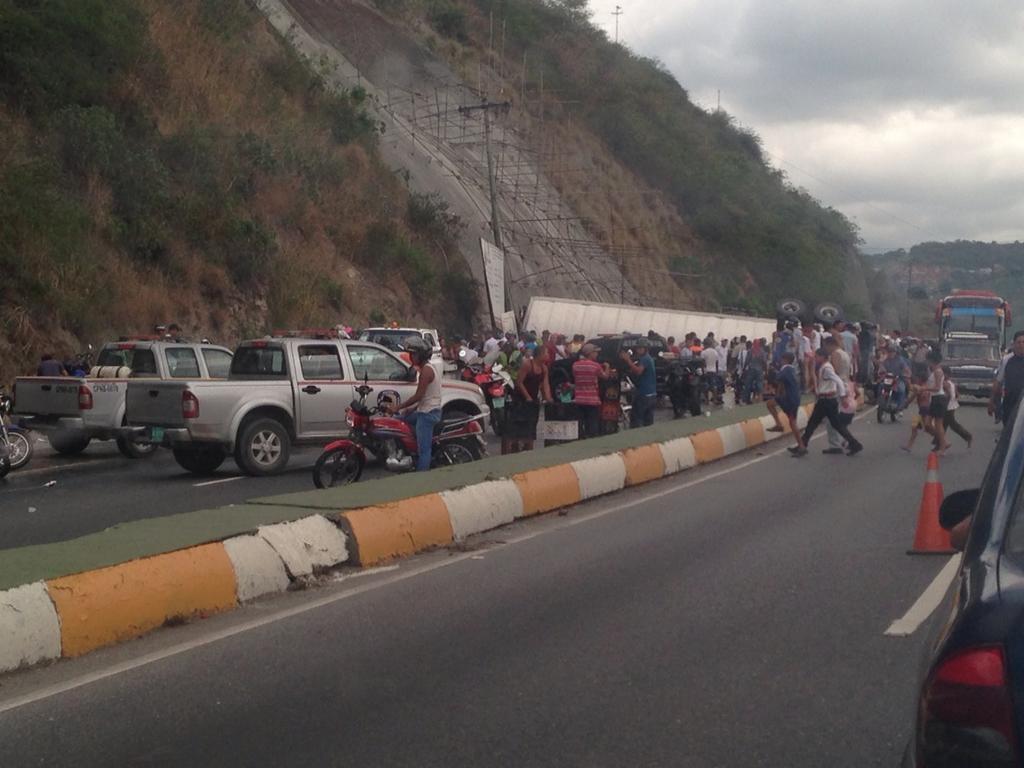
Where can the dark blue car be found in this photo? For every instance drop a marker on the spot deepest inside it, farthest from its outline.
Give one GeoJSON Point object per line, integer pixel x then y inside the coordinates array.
{"type": "Point", "coordinates": [971, 701]}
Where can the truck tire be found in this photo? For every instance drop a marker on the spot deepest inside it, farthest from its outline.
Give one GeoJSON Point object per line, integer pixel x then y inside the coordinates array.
{"type": "Point", "coordinates": [132, 450]}
{"type": "Point", "coordinates": [790, 308]}
{"type": "Point", "coordinates": [827, 313]}
{"type": "Point", "coordinates": [69, 443]}
{"type": "Point", "coordinates": [263, 447]}
{"type": "Point", "coordinates": [200, 461]}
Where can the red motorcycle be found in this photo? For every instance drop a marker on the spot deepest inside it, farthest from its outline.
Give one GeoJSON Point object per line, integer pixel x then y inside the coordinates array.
{"type": "Point", "coordinates": [374, 429]}
{"type": "Point", "coordinates": [497, 385]}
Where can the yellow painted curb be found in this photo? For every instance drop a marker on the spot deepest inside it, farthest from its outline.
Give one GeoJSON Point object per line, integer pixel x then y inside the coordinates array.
{"type": "Point", "coordinates": [753, 431]}
{"type": "Point", "coordinates": [708, 446]}
{"type": "Point", "coordinates": [643, 464]}
{"type": "Point", "coordinates": [398, 529]}
{"type": "Point", "coordinates": [109, 605]}
{"type": "Point", "coordinates": [546, 489]}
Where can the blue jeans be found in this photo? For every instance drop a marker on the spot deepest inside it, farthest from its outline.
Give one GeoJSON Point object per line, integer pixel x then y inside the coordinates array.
{"type": "Point", "coordinates": [642, 413]}
{"type": "Point", "coordinates": [423, 422]}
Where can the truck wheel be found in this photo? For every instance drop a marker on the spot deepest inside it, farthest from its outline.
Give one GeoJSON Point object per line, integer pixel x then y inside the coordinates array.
{"type": "Point", "coordinates": [132, 450]}
{"type": "Point", "coordinates": [200, 461]}
{"type": "Point", "coordinates": [263, 447]}
{"type": "Point", "coordinates": [69, 443]}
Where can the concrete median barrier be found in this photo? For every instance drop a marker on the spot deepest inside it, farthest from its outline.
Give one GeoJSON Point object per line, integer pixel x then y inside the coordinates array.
{"type": "Point", "coordinates": [107, 606]}
{"type": "Point", "coordinates": [643, 464]}
{"type": "Point", "coordinates": [121, 584]}
{"type": "Point", "coordinates": [397, 529]}
{"type": "Point", "coordinates": [29, 628]}
{"type": "Point", "coordinates": [258, 568]}
{"type": "Point", "coordinates": [307, 544]}
{"type": "Point", "coordinates": [482, 507]}
{"type": "Point", "coordinates": [600, 475]}
{"type": "Point", "coordinates": [678, 455]}
{"type": "Point", "coordinates": [545, 490]}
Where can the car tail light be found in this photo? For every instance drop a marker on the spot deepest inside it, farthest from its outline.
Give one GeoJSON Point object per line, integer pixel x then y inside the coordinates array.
{"type": "Point", "coordinates": [84, 398]}
{"type": "Point", "coordinates": [189, 405]}
{"type": "Point", "coordinates": [966, 713]}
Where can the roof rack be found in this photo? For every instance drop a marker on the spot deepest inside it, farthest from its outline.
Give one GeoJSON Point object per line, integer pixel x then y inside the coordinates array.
{"type": "Point", "coordinates": [307, 333]}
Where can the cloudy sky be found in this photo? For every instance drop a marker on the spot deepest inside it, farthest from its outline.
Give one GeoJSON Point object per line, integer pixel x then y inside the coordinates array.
{"type": "Point", "coordinates": [906, 115]}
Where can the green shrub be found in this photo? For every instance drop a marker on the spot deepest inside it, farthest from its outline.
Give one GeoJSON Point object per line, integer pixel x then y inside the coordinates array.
{"type": "Point", "coordinates": [334, 294]}
{"type": "Point", "coordinates": [449, 20]}
{"type": "Point", "coordinates": [347, 121]}
{"type": "Point", "coordinates": [377, 317]}
{"type": "Point", "coordinates": [249, 249]}
{"type": "Point", "coordinates": [430, 216]}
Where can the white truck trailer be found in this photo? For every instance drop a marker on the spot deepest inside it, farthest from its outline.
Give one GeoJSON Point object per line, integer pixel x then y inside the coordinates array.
{"type": "Point", "coordinates": [592, 319]}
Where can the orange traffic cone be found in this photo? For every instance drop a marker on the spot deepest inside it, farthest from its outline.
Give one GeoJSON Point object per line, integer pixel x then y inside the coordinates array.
{"type": "Point", "coordinates": [931, 538]}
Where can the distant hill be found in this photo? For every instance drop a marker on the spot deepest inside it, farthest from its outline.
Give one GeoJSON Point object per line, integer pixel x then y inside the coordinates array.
{"type": "Point", "coordinates": [935, 269]}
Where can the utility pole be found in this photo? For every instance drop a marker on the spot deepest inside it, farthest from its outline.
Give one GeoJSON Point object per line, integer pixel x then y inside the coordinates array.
{"type": "Point", "coordinates": [616, 13]}
{"type": "Point", "coordinates": [487, 107]}
{"type": "Point", "coordinates": [906, 316]}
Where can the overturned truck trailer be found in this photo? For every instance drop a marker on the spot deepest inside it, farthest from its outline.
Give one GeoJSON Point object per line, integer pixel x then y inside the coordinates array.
{"type": "Point", "coordinates": [590, 318]}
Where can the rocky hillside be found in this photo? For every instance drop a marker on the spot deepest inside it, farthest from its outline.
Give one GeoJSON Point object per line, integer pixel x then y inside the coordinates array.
{"type": "Point", "coordinates": [237, 165]}
{"type": "Point", "coordinates": [180, 161]}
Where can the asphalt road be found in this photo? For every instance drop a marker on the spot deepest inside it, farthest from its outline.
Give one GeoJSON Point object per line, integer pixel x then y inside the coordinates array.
{"type": "Point", "coordinates": [731, 616]}
{"type": "Point", "coordinates": [55, 498]}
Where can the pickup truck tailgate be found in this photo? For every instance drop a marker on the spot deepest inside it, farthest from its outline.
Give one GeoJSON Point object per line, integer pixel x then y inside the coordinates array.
{"type": "Point", "coordinates": [155, 403]}
{"type": "Point", "coordinates": [40, 396]}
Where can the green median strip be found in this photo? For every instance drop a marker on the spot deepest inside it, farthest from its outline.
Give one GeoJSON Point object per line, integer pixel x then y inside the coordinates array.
{"type": "Point", "coordinates": [420, 483]}
{"type": "Point", "coordinates": [154, 536]}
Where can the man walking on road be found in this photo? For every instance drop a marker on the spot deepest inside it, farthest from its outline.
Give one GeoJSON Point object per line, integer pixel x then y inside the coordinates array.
{"type": "Point", "coordinates": [788, 398]}
{"type": "Point", "coordinates": [1009, 380]}
{"type": "Point", "coordinates": [830, 389]}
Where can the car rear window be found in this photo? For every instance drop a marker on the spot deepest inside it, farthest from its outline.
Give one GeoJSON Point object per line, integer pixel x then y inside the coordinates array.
{"type": "Point", "coordinates": [141, 361]}
{"type": "Point", "coordinates": [262, 362]}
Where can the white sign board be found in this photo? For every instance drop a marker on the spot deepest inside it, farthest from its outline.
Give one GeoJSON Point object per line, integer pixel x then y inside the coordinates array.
{"type": "Point", "coordinates": [508, 322]}
{"type": "Point", "coordinates": [560, 430]}
{"type": "Point", "coordinates": [494, 276]}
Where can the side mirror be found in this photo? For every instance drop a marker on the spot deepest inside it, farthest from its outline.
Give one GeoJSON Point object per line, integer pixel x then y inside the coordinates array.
{"type": "Point", "coordinates": [957, 507]}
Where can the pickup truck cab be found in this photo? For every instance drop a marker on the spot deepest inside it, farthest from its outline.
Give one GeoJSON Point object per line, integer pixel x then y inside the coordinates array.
{"type": "Point", "coordinates": [393, 338]}
{"type": "Point", "coordinates": [280, 392]}
{"type": "Point", "coordinates": [74, 411]}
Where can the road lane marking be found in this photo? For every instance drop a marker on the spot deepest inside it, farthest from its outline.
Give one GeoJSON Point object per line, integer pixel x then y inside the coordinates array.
{"type": "Point", "coordinates": [218, 482]}
{"type": "Point", "coordinates": [145, 660]}
{"type": "Point", "coordinates": [927, 602]}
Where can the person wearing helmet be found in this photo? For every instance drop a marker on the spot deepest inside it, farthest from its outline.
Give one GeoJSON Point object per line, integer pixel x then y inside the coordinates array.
{"type": "Point", "coordinates": [422, 411]}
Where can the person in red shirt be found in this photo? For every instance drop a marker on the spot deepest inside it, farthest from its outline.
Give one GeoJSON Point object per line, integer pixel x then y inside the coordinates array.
{"type": "Point", "coordinates": [586, 372]}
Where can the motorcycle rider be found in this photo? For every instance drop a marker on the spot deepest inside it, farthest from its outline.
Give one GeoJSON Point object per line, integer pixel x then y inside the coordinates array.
{"type": "Point", "coordinates": [422, 411]}
{"type": "Point", "coordinates": [897, 365]}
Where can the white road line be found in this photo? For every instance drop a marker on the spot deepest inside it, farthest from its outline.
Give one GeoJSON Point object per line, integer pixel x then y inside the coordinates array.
{"type": "Point", "coordinates": [287, 613]}
{"type": "Point", "coordinates": [927, 602]}
{"type": "Point", "coordinates": [218, 482]}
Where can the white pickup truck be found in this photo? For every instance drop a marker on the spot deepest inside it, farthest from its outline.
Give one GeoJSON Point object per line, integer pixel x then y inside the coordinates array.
{"type": "Point", "coordinates": [280, 392]}
{"type": "Point", "coordinates": [74, 411]}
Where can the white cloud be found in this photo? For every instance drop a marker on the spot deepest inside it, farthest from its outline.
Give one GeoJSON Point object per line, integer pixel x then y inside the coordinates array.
{"type": "Point", "coordinates": [904, 114]}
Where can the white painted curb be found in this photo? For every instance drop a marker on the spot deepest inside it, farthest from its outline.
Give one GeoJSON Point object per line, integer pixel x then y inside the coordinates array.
{"type": "Point", "coordinates": [258, 569]}
{"type": "Point", "coordinates": [29, 628]}
{"type": "Point", "coordinates": [678, 455]}
{"type": "Point", "coordinates": [600, 475]}
{"type": "Point", "coordinates": [768, 422]}
{"type": "Point", "coordinates": [481, 507]}
{"type": "Point", "coordinates": [733, 439]}
{"type": "Point", "coordinates": [312, 542]}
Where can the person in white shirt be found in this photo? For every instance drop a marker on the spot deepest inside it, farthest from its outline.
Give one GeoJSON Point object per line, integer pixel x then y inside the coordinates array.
{"type": "Point", "coordinates": [949, 420]}
{"type": "Point", "coordinates": [493, 343]}
{"type": "Point", "coordinates": [711, 367]}
{"type": "Point", "coordinates": [830, 388]}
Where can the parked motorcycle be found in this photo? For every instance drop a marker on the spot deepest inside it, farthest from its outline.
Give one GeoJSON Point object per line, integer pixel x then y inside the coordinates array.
{"type": "Point", "coordinates": [496, 383]}
{"type": "Point", "coordinates": [886, 398]}
{"type": "Point", "coordinates": [384, 435]}
{"type": "Point", "coordinates": [684, 386]}
{"type": "Point", "coordinates": [16, 444]}
{"type": "Point", "coordinates": [81, 364]}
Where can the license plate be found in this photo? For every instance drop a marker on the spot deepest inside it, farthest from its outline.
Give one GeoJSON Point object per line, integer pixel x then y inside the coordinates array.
{"type": "Point", "coordinates": [498, 402]}
{"type": "Point", "coordinates": [156, 434]}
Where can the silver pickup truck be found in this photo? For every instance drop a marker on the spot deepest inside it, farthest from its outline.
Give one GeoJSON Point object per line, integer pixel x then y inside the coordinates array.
{"type": "Point", "coordinates": [280, 392]}
{"type": "Point", "coordinates": [74, 411]}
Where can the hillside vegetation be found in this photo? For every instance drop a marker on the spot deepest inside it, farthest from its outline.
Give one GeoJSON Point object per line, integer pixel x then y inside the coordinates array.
{"type": "Point", "coordinates": [757, 237]}
{"type": "Point", "coordinates": [178, 161]}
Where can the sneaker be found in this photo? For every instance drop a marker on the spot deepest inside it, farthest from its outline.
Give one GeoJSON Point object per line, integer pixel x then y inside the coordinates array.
{"type": "Point", "coordinates": [775, 429]}
{"type": "Point", "coordinates": [854, 450]}
{"type": "Point", "coordinates": [796, 453]}
{"type": "Point", "coordinates": [793, 448]}
{"type": "Point", "coordinates": [832, 451]}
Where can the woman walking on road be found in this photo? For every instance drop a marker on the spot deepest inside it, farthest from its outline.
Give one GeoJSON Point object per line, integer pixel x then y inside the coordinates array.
{"type": "Point", "coordinates": [935, 385]}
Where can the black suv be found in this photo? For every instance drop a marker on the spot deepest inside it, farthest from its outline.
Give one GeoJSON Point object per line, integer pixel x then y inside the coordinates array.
{"type": "Point", "coordinates": [611, 349]}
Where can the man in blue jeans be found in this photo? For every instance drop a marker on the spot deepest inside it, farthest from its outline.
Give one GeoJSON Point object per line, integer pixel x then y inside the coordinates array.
{"type": "Point", "coordinates": [427, 403]}
{"type": "Point", "coordinates": [645, 391]}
